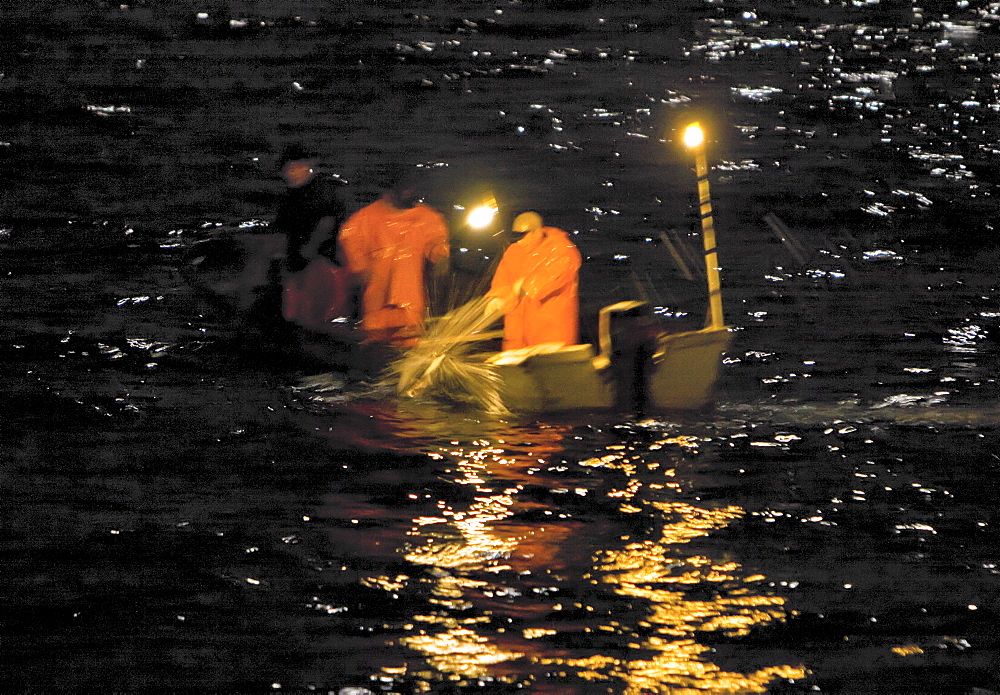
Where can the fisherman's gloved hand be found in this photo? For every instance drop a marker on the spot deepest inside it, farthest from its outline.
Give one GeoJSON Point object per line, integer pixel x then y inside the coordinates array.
{"type": "Point", "coordinates": [495, 305]}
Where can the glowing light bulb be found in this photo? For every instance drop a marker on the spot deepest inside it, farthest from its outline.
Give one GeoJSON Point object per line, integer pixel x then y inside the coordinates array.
{"type": "Point", "coordinates": [482, 216]}
{"type": "Point", "coordinates": [694, 136]}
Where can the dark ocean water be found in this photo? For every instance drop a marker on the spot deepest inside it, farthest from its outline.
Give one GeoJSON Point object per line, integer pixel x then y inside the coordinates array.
{"type": "Point", "coordinates": [180, 516]}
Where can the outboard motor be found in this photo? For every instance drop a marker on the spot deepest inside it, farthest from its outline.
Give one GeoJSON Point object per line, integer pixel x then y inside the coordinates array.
{"type": "Point", "coordinates": [629, 338]}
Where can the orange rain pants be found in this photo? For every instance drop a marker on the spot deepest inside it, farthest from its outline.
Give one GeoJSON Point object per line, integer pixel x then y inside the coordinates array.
{"type": "Point", "coordinates": [546, 306]}
{"type": "Point", "coordinates": [388, 248]}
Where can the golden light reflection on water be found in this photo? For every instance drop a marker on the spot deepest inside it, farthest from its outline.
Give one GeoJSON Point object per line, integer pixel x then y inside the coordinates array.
{"type": "Point", "coordinates": [677, 593]}
{"type": "Point", "coordinates": [659, 571]}
{"type": "Point", "coordinates": [475, 539]}
{"type": "Point", "coordinates": [459, 650]}
{"type": "Point", "coordinates": [471, 537]}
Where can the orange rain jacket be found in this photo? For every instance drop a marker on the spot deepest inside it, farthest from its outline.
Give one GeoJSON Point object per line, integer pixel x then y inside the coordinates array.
{"type": "Point", "coordinates": [387, 248]}
{"type": "Point", "coordinates": [547, 309]}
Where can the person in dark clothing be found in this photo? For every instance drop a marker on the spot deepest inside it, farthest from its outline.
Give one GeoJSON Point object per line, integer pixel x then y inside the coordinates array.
{"type": "Point", "coordinates": [315, 289]}
{"type": "Point", "coordinates": [310, 212]}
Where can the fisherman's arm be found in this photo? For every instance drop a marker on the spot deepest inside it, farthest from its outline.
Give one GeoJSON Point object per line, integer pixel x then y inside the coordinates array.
{"type": "Point", "coordinates": [352, 249]}
{"type": "Point", "coordinates": [321, 234]}
{"type": "Point", "coordinates": [437, 248]}
{"type": "Point", "coordinates": [505, 287]}
{"type": "Point", "coordinates": [323, 240]}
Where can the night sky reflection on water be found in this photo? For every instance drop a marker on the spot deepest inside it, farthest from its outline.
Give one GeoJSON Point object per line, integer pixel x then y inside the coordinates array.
{"type": "Point", "coordinates": [180, 516]}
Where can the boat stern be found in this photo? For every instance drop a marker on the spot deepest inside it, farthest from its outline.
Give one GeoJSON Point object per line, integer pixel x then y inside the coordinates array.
{"type": "Point", "coordinates": [686, 367]}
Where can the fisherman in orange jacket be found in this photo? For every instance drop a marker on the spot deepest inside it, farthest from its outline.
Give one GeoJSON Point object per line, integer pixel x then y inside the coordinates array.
{"type": "Point", "coordinates": [386, 245]}
{"type": "Point", "coordinates": [536, 285]}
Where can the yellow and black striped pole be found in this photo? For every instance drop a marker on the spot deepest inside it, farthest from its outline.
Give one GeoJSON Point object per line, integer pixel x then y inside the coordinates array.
{"type": "Point", "coordinates": [694, 139]}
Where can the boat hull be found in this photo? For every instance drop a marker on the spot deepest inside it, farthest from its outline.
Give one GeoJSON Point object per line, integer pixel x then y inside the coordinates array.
{"type": "Point", "coordinates": [680, 375]}
{"type": "Point", "coordinates": [239, 276]}
{"type": "Point", "coordinates": [686, 369]}
{"type": "Point", "coordinates": [552, 378]}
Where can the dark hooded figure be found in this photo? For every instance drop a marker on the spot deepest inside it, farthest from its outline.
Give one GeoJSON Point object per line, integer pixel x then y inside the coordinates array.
{"type": "Point", "coordinates": [310, 211]}
{"type": "Point", "coordinates": [315, 288]}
